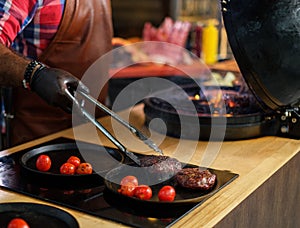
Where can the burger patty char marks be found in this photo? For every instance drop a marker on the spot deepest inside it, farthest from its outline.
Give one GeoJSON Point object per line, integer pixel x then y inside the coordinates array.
{"type": "Point", "coordinates": [161, 164]}
{"type": "Point", "coordinates": [196, 178]}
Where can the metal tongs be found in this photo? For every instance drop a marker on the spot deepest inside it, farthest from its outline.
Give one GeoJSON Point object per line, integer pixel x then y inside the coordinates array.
{"type": "Point", "coordinates": [116, 142]}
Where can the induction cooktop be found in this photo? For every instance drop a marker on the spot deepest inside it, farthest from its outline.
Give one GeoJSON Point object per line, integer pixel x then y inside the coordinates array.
{"type": "Point", "coordinates": [96, 199]}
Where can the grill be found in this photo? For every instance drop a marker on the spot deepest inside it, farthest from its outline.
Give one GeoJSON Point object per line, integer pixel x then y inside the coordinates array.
{"type": "Point", "coordinates": [266, 46]}
{"type": "Point", "coordinates": [233, 109]}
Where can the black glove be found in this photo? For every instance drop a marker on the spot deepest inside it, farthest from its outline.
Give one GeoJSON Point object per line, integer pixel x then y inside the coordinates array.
{"type": "Point", "coordinates": [50, 84]}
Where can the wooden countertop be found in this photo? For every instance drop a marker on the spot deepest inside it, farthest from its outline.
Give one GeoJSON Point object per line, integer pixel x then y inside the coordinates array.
{"type": "Point", "coordinates": [255, 160]}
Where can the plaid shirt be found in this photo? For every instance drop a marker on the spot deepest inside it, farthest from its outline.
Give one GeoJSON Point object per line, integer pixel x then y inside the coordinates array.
{"type": "Point", "coordinates": [28, 26]}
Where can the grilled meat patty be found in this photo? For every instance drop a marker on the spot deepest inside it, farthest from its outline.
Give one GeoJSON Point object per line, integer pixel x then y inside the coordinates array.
{"type": "Point", "coordinates": [162, 166]}
{"type": "Point", "coordinates": [196, 178]}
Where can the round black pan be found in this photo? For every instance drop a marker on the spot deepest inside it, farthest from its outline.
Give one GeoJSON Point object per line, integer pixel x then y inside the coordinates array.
{"type": "Point", "coordinates": [101, 158]}
{"type": "Point", "coordinates": [183, 195]}
{"type": "Point", "coordinates": [36, 215]}
{"type": "Point", "coordinates": [184, 200]}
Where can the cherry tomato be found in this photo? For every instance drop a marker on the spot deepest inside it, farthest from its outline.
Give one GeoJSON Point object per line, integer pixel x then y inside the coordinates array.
{"type": "Point", "coordinates": [68, 192]}
{"type": "Point", "coordinates": [74, 160]}
{"type": "Point", "coordinates": [84, 168]}
{"type": "Point", "coordinates": [167, 193]}
{"type": "Point", "coordinates": [43, 163]}
{"type": "Point", "coordinates": [85, 191]}
{"type": "Point", "coordinates": [143, 192]}
{"type": "Point", "coordinates": [128, 189]}
{"type": "Point", "coordinates": [17, 223]}
{"type": "Point", "coordinates": [129, 179]}
{"type": "Point", "coordinates": [67, 168]}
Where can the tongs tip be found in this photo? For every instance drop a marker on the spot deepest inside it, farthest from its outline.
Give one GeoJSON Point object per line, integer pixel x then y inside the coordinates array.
{"type": "Point", "coordinates": [159, 151]}
{"type": "Point", "coordinates": [136, 132]}
{"type": "Point", "coordinates": [155, 148]}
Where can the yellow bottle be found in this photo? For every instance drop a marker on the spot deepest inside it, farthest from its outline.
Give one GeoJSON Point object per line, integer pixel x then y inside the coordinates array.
{"type": "Point", "coordinates": [210, 43]}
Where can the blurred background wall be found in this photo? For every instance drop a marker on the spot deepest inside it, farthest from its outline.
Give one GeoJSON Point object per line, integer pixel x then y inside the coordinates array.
{"type": "Point", "coordinates": [129, 16]}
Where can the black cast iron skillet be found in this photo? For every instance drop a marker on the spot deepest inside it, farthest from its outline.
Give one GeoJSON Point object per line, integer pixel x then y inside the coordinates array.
{"type": "Point", "coordinates": [36, 215]}
{"type": "Point", "coordinates": [185, 198]}
{"type": "Point", "coordinates": [101, 158]}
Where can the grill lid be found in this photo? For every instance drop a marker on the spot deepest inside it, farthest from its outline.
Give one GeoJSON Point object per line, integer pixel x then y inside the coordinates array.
{"type": "Point", "coordinates": [265, 40]}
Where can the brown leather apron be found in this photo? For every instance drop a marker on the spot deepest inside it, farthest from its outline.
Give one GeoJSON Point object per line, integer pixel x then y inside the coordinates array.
{"type": "Point", "coordinates": [84, 35]}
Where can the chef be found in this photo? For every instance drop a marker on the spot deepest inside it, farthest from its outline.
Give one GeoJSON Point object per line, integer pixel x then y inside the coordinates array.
{"type": "Point", "coordinates": [46, 46]}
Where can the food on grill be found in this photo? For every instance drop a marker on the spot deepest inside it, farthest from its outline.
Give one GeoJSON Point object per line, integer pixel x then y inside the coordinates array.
{"type": "Point", "coordinates": [84, 168]}
{"type": "Point", "coordinates": [167, 193]}
{"type": "Point", "coordinates": [212, 102]}
{"type": "Point", "coordinates": [43, 163]}
{"type": "Point", "coordinates": [67, 168]}
{"type": "Point", "coordinates": [196, 178]}
{"type": "Point", "coordinates": [162, 167]}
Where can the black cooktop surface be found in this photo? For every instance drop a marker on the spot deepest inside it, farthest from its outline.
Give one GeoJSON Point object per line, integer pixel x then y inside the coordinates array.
{"type": "Point", "coordinates": [94, 198]}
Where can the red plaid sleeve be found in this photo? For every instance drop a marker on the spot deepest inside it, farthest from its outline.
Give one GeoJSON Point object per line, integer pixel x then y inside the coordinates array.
{"type": "Point", "coordinates": [28, 26]}
{"type": "Point", "coordinates": [14, 15]}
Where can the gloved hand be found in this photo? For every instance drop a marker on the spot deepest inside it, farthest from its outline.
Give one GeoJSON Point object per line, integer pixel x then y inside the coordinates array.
{"type": "Point", "coordinates": [50, 84]}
